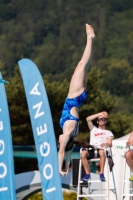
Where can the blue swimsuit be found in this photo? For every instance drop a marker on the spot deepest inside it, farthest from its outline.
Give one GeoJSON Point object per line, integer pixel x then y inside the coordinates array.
{"type": "Point", "coordinates": [68, 105]}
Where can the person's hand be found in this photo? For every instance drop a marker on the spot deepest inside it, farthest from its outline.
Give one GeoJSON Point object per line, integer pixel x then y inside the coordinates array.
{"type": "Point", "coordinates": [90, 31]}
{"type": "Point", "coordinates": [104, 114]}
{"type": "Point", "coordinates": [103, 144]}
{"type": "Point", "coordinates": [62, 173]}
{"type": "Point", "coordinates": [129, 143]}
{"type": "Point", "coordinates": [66, 171]}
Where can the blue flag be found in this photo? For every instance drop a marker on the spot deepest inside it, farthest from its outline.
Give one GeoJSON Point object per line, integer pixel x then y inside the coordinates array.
{"type": "Point", "coordinates": [7, 180]}
{"type": "Point", "coordinates": [42, 129]}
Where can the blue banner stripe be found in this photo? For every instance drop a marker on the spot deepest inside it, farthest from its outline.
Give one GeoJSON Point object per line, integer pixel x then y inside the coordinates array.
{"type": "Point", "coordinates": [7, 181]}
{"type": "Point", "coordinates": [43, 130]}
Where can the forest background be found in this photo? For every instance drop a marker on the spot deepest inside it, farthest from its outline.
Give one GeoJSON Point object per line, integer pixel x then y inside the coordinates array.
{"type": "Point", "coordinates": [52, 34]}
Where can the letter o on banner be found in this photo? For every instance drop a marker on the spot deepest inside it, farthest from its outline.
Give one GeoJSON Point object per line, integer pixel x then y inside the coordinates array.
{"type": "Point", "coordinates": [5, 170]}
{"type": "Point", "coordinates": [51, 171]}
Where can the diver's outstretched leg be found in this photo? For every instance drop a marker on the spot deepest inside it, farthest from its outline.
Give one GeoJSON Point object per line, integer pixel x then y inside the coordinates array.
{"type": "Point", "coordinates": [77, 86]}
{"type": "Point", "coordinates": [78, 81]}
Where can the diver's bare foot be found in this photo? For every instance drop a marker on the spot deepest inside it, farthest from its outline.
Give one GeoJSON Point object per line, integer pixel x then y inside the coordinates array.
{"type": "Point", "coordinates": [62, 173]}
{"type": "Point", "coordinates": [90, 31]}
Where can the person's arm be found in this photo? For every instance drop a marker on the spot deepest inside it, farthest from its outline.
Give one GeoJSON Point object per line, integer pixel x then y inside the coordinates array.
{"type": "Point", "coordinates": [90, 118]}
{"type": "Point", "coordinates": [108, 144]}
{"type": "Point", "coordinates": [68, 159]}
{"type": "Point", "coordinates": [130, 140]}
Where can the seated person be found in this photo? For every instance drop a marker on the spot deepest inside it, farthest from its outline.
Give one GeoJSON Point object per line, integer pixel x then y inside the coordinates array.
{"type": "Point", "coordinates": [129, 154]}
{"type": "Point", "coordinates": [100, 138]}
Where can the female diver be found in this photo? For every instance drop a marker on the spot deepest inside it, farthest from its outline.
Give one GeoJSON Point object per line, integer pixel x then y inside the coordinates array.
{"type": "Point", "coordinates": [77, 94]}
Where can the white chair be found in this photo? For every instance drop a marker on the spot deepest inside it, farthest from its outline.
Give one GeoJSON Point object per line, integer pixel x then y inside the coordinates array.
{"type": "Point", "coordinates": [105, 185]}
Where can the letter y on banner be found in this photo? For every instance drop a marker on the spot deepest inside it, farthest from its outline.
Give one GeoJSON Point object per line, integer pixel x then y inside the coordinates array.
{"type": "Point", "coordinates": [7, 180]}
{"type": "Point", "coordinates": [43, 130]}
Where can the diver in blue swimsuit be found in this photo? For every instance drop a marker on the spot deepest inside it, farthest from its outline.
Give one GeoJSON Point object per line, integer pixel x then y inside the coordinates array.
{"type": "Point", "coordinates": [69, 103]}
{"type": "Point", "coordinates": [77, 94]}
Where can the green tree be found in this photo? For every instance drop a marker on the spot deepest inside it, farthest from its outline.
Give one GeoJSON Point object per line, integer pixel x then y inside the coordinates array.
{"type": "Point", "coordinates": [117, 76]}
{"type": "Point", "coordinates": [18, 109]}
